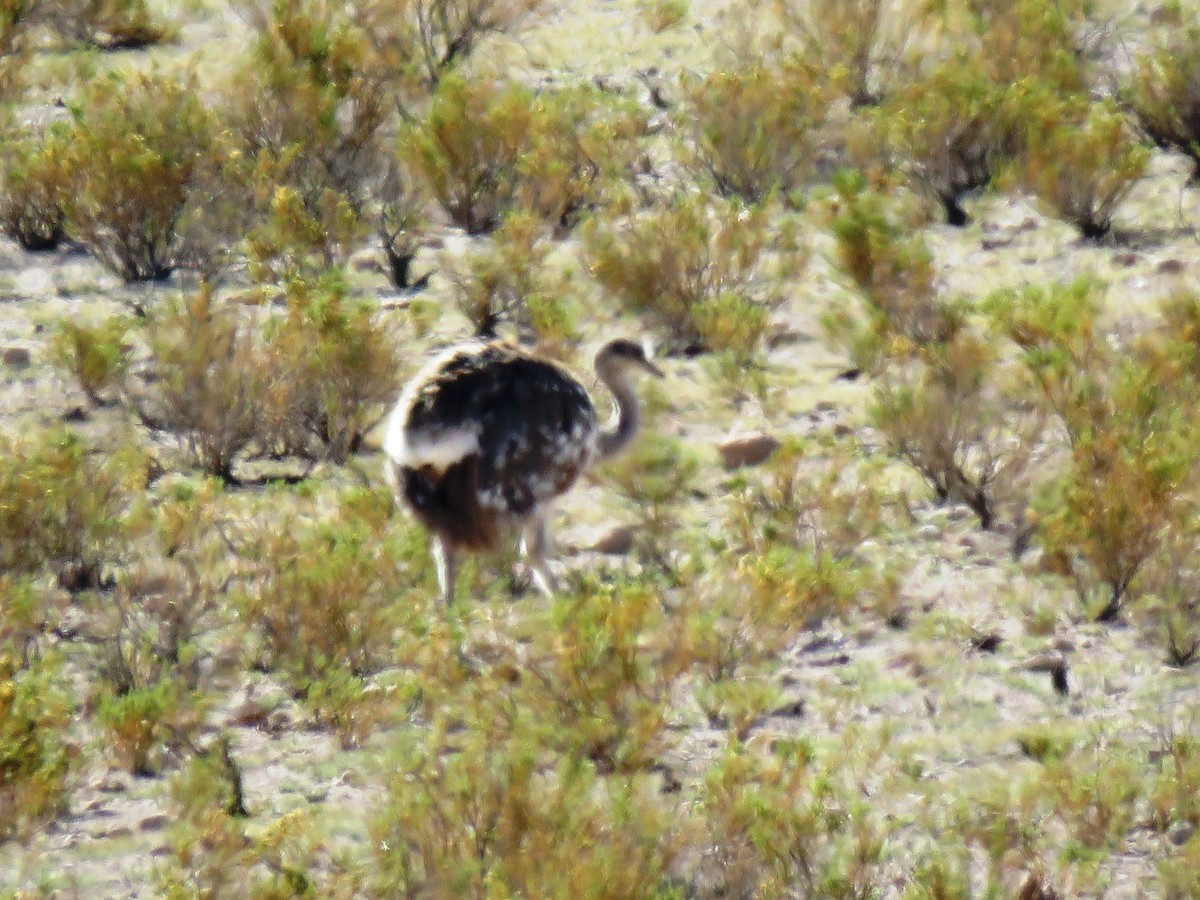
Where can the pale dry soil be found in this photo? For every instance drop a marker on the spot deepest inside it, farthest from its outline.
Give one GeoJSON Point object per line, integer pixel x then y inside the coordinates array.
{"type": "Point", "coordinates": [953, 713]}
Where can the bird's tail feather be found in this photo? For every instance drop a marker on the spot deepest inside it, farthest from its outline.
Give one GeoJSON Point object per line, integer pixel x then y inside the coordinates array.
{"type": "Point", "coordinates": [448, 504]}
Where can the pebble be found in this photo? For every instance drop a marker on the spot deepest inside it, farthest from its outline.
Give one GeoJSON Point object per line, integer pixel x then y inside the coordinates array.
{"type": "Point", "coordinates": [748, 450]}
{"type": "Point", "coordinates": [16, 357]}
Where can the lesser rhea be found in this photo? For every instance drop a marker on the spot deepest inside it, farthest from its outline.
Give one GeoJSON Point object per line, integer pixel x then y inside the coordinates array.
{"type": "Point", "coordinates": [487, 435]}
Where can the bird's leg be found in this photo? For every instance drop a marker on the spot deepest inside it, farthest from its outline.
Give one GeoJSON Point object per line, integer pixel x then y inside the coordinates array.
{"type": "Point", "coordinates": [446, 562]}
{"type": "Point", "coordinates": [536, 546]}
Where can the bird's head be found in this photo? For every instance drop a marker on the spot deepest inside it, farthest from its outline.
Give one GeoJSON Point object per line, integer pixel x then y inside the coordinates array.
{"type": "Point", "coordinates": [623, 356]}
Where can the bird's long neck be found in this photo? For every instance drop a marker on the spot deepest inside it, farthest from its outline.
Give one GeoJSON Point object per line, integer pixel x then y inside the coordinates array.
{"type": "Point", "coordinates": [629, 415]}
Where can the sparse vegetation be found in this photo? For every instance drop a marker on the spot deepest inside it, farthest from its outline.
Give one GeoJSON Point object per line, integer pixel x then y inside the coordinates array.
{"type": "Point", "coordinates": [698, 269]}
{"type": "Point", "coordinates": [862, 618]}
{"type": "Point", "coordinates": [756, 131]}
{"type": "Point", "coordinates": [1082, 161]}
{"type": "Point", "coordinates": [1164, 90]}
{"type": "Point", "coordinates": [128, 131]}
{"type": "Point", "coordinates": [33, 191]}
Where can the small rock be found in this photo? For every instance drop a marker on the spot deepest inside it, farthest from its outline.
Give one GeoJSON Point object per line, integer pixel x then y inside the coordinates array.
{"type": "Point", "coordinates": [748, 450]}
{"type": "Point", "coordinates": [109, 834]}
{"type": "Point", "coordinates": [251, 714]}
{"type": "Point", "coordinates": [1181, 832]}
{"type": "Point", "coordinates": [280, 720]}
{"type": "Point", "coordinates": [76, 414]}
{"type": "Point", "coordinates": [16, 357]}
{"type": "Point", "coordinates": [1126, 259]}
{"type": "Point", "coordinates": [156, 822]}
{"type": "Point", "coordinates": [617, 540]}
{"type": "Point", "coordinates": [1056, 665]}
{"type": "Point", "coordinates": [929, 532]}
{"type": "Point", "coordinates": [1171, 267]}
{"type": "Point", "coordinates": [986, 643]}
{"type": "Point", "coordinates": [841, 429]}
{"type": "Point", "coordinates": [1044, 662]}
{"type": "Point", "coordinates": [115, 783]}
{"type": "Point", "coordinates": [793, 709]}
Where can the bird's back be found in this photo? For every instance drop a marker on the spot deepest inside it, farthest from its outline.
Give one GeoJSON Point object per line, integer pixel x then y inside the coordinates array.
{"type": "Point", "coordinates": [489, 431]}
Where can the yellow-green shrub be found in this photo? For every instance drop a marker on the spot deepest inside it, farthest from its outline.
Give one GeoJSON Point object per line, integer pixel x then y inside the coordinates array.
{"type": "Point", "coordinates": [1082, 160]}
{"type": "Point", "coordinates": [755, 131]}
{"type": "Point", "coordinates": [329, 594]}
{"type": "Point", "coordinates": [96, 356]}
{"type": "Point", "coordinates": [1130, 433]}
{"type": "Point", "coordinates": [859, 44]}
{"type": "Point", "coordinates": [506, 281]}
{"type": "Point", "coordinates": [416, 43]}
{"type": "Point", "coordinates": [34, 184]}
{"type": "Point", "coordinates": [306, 119]}
{"type": "Point", "coordinates": [777, 820]}
{"type": "Point", "coordinates": [887, 260]}
{"type": "Point", "coordinates": [681, 264]}
{"type": "Point", "coordinates": [134, 143]}
{"type": "Point", "coordinates": [1164, 90]}
{"type": "Point", "coordinates": [334, 368]}
{"type": "Point", "coordinates": [1038, 40]}
{"type": "Point", "coordinates": [208, 381]}
{"type": "Point", "coordinates": [60, 506]}
{"type": "Point", "coordinates": [35, 757]}
{"type": "Point", "coordinates": [487, 148]}
{"type": "Point", "coordinates": [952, 131]}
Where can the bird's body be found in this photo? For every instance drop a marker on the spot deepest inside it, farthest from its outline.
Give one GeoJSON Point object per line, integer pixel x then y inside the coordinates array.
{"type": "Point", "coordinates": [487, 435]}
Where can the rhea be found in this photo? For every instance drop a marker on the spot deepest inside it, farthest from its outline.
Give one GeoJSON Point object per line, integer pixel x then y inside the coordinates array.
{"type": "Point", "coordinates": [486, 436]}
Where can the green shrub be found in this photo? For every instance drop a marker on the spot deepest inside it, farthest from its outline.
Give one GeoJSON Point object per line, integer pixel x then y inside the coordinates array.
{"type": "Point", "coordinates": [96, 356]}
{"type": "Point", "coordinates": [603, 686]}
{"type": "Point", "coordinates": [1164, 90]}
{"type": "Point", "coordinates": [953, 132]}
{"type": "Point", "coordinates": [542, 756]}
{"type": "Point", "coordinates": [951, 414]}
{"type": "Point", "coordinates": [655, 477]}
{"type": "Point", "coordinates": [334, 367]}
{"type": "Point", "coordinates": [506, 281]}
{"type": "Point", "coordinates": [34, 189]}
{"type": "Point", "coordinates": [130, 131]}
{"type": "Point", "coordinates": [60, 506]}
{"type": "Point", "coordinates": [1042, 41]}
{"type": "Point", "coordinates": [133, 724]}
{"type": "Point", "coordinates": [683, 263]}
{"type": "Point", "coordinates": [307, 120]}
{"type": "Point", "coordinates": [860, 44]}
{"type": "Point", "coordinates": [207, 382]}
{"type": "Point", "coordinates": [484, 820]}
{"type": "Point", "coordinates": [35, 757]}
{"type": "Point", "coordinates": [214, 851]}
{"type": "Point", "coordinates": [1081, 161]}
{"type": "Point", "coordinates": [329, 595]}
{"type": "Point", "coordinates": [755, 131]}
{"type": "Point", "coordinates": [488, 148]}
{"type": "Point", "coordinates": [1130, 436]}
{"type": "Point", "coordinates": [887, 260]}
{"type": "Point", "coordinates": [942, 397]}
{"type": "Point", "coordinates": [417, 43]}
{"type": "Point", "coordinates": [778, 822]}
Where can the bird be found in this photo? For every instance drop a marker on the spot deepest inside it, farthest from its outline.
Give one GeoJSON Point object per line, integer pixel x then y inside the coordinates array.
{"type": "Point", "coordinates": [487, 435]}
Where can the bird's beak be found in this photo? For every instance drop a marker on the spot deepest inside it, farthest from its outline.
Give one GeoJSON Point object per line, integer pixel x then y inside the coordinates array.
{"type": "Point", "coordinates": [653, 369]}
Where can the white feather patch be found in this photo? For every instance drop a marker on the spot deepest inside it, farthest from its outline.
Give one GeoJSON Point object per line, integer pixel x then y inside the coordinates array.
{"type": "Point", "coordinates": [439, 449]}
